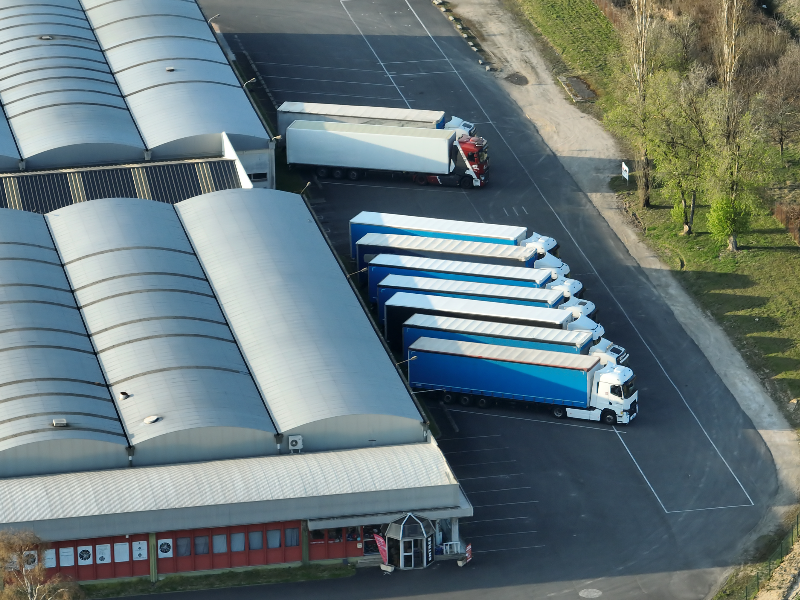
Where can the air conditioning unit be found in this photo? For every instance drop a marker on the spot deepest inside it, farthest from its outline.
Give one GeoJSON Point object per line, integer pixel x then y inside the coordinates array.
{"type": "Point", "coordinates": [295, 443]}
{"type": "Point", "coordinates": [63, 423]}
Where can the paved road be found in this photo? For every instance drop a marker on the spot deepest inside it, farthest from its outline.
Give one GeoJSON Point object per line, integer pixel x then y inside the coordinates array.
{"type": "Point", "coordinates": [653, 509]}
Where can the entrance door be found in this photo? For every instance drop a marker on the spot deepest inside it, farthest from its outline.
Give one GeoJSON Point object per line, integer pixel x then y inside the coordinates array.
{"type": "Point", "coordinates": [419, 553]}
{"type": "Point", "coordinates": [407, 559]}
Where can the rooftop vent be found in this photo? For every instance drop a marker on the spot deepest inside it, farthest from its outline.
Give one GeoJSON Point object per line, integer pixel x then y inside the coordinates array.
{"type": "Point", "coordinates": [151, 419]}
{"type": "Point", "coordinates": [45, 37]}
{"type": "Point", "coordinates": [170, 69]}
{"type": "Point", "coordinates": [123, 395]}
{"type": "Point", "coordinates": [59, 422]}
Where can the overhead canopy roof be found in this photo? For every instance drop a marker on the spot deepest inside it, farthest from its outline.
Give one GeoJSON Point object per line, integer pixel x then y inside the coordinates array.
{"type": "Point", "coordinates": [372, 482]}
{"type": "Point", "coordinates": [59, 95]}
{"type": "Point", "coordinates": [47, 365]}
{"type": "Point", "coordinates": [178, 84]}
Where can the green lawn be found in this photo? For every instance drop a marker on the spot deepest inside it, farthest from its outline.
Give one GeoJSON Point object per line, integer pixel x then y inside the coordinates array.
{"type": "Point", "coordinates": [753, 294]}
{"type": "Point", "coordinates": [577, 29]}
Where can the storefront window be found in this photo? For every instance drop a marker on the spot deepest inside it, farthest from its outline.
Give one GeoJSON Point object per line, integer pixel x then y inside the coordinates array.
{"type": "Point", "coordinates": [273, 538]}
{"type": "Point", "coordinates": [292, 537]}
{"type": "Point", "coordinates": [237, 542]}
{"type": "Point", "coordinates": [335, 535]}
{"type": "Point", "coordinates": [317, 535]}
{"type": "Point", "coordinates": [353, 534]}
{"type": "Point", "coordinates": [370, 547]}
{"type": "Point", "coordinates": [183, 547]}
{"type": "Point", "coordinates": [255, 540]}
{"type": "Point", "coordinates": [220, 543]}
{"type": "Point", "coordinates": [201, 544]}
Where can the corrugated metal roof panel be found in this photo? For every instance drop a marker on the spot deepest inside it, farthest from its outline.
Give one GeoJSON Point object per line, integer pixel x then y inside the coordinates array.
{"type": "Point", "coordinates": [306, 338]}
{"type": "Point", "coordinates": [578, 362]}
{"type": "Point", "coordinates": [472, 288]}
{"type": "Point", "coordinates": [318, 475]}
{"type": "Point", "coordinates": [48, 368]}
{"type": "Point", "coordinates": [557, 317]}
{"type": "Point", "coordinates": [367, 112]}
{"type": "Point", "coordinates": [147, 324]}
{"type": "Point", "coordinates": [412, 242]}
{"type": "Point", "coordinates": [508, 330]}
{"type": "Point", "coordinates": [422, 224]}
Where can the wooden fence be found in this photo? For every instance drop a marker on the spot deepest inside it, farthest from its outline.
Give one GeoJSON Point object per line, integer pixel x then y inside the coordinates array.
{"type": "Point", "coordinates": [614, 14]}
{"type": "Point", "coordinates": [789, 215]}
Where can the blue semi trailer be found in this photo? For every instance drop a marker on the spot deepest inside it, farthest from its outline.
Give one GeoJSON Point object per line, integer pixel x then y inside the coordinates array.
{"type": "Point", "coordinates": [449, 288]}
{"type": "Point", "coordinates": [373, 244]}
{"type": "Point", "coordinates": [373, 222]}
{"type": "Point", "coordinates": [414, 266]}
{"type": "Point", "coordinates": [400, 307]}
{"type": "Point", "coordinates": [571, 385]}
{"type": "Point", "coordinates": [505, 334]}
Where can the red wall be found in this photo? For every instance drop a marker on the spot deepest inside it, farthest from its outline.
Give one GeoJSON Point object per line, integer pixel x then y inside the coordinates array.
{"type": "Point", "coordinates": [235, 547]}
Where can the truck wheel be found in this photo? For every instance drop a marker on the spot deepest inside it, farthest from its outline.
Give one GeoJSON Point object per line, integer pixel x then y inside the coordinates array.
{"type": "Point", "coordinates": [448, 398]}
{"type": "Point", "coordinates": [465, 401]}
{"type": "Point", "coordinates": [420, 180]}
{"type": "Point", "coordinates": [466, 183]}
{"type": "Point", "coordinates": [608, 417]}
{"type": "Point", "coordinates": [559, 412]}
{"type": "Point", "coordinates": [337, 173]}
{"type": "Point", "coordinates": [322, 172]}
{"type": "Point", "coordinates": [483, 403]}
{"type": "Point", "coordinates": [353, 175]}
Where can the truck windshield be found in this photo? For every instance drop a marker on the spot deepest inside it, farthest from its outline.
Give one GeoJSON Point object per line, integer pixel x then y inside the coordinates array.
{"type": "Point", "coordinates": [629, 387]}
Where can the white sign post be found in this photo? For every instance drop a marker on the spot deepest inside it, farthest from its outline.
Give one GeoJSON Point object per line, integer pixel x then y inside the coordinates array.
{"type": "Point", "coordinates": [625, 171]}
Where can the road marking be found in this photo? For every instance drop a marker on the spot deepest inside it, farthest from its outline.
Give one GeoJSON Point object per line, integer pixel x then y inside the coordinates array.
{"type": "Point", "coordinates": [486, 414]}
{"type": "Point", "coordinates": [505, 504]}
{"type": "Point", "coordinates": [366, 41]}
{"type": "Point", "coordinates": [496, 462]}
{"type": "Point", "coordinates": [428, 73]}
{"type": "Point", "coordinates": [274, 64]}
{"type": "Point", "coordinates": [526, 487]}
{"type": "Point", "coordinates": [523, 210]}
{"type": "Point", "coordinates": [325, 80]}
{"type": "Point", "coordinates": [480, 450]}
{"type": "Point", "coordinates": [647, 481]}
{"type": "Point", "coordinates": [505, 211]}
{"type": "Point", "coordinates": [489, 476]}
{"type": "Point", "coordinates": [449, 417]}
{"type": "Point", "coordinates": [337, 95]}
{"type": "Point", "coordinates": [709, 508]}
{"type": "Point", "coordinates": [403, 62]}
{"type": "Point", "coordinates": [496, 534]}
{"type": "Point", "coordinates": [470, 437]}
{"type": "Point", "coordinates": [465, 522]}
{"type": "Point", "coordinates": [397, 187]}
{"type": "Point", "coordinates": [506, 549]}
{"type": "Point", "coordinates": [574, 241]}
{"type": "Point", "coordinates": [515, 210]}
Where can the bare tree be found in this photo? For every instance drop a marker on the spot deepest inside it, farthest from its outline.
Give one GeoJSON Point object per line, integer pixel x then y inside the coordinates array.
{"type": "Point", "coordinates": [640, 67]}
{"type": "Point", "coordinates": [782, 98]}
{"type": "Point", "coordinates": [25, 574]}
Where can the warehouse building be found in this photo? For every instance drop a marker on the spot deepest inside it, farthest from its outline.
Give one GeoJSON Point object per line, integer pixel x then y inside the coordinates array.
{"type": "Point", "coordinates": [108, 83]}
{"type": "Point", "coordinates": [196, 386]}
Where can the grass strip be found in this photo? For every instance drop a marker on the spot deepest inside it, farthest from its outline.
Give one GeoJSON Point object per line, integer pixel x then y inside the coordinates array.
{"type": "Point", "coordinates": [228, 579]}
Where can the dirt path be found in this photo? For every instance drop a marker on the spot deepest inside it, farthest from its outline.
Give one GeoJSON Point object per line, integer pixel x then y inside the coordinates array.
{"type": "Point", "coordinates": [579, 140]}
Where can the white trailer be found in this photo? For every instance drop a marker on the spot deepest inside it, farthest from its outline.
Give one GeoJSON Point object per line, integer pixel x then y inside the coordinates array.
{"type": "Point", "coordinates": [289, 112]}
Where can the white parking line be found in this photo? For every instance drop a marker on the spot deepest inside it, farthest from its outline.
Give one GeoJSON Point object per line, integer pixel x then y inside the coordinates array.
{"type": "Point", "coordinates": [464, 520]}
{"type": "Point", "coordinates": [274, 64]}
{"type": "Point", "coordinates": [647, 481]}
{"type": "Point", "coordinates": [505, 504]}
{"type": "Point", "coordinates": [487, 414]}
{"type": "Point", "coordinates": [436, 189]}
{"type": "Point", "coordinates": [490, 476]}
{"type": "Point", "coordinates": [428, 73]}
{"type": "Point", "coordinates": [527, 487]}
{"type": "Point", "coordinates": [296, 92]}
{"type": "Point", "coordinates": [506, 549]}
{"type": "Point", "coordinates": [574, 241]}
{"type": "Point", "coordinates": [496, 534]}
{"type": "Point", "coordinates": [326, 80]}
{"type": "Point", "coordinates": [403, 62]}
{"type": "Point", "coordinates": [378, 58]}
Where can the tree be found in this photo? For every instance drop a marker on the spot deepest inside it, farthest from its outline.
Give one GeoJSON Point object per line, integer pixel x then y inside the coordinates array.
{"type": "Point", "coordinates": [782, 98]}
{"type": "Point", "coordinates": [680, 138]}
{"type": "Point", "coordinates": [26, 576]}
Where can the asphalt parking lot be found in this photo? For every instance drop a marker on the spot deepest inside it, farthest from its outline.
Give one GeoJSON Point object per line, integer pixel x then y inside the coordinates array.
{"type": "Point", "coordinates": [656, 508]}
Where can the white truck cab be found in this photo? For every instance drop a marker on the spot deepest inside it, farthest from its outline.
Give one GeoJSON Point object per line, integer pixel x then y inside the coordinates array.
{"type": "Point", "coordinates": [614, 397]}
{"type": "Point", "coordinates": [586, 324]}
{"type": "Point", "coordinates": [609, 353]}
{"type": "Point", "coordinates": [570, 287]}
{"type": "Point", "coordinates": [559, 268]}
{"type": "Point", "coordinates": [541, 242]}
{"type": "Point", "coordinates": [579, 307]}
{"type": "Point", "coordinates": [458, 123]}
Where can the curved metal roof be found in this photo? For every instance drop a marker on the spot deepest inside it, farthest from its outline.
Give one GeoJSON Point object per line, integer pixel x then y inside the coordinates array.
{"type": "Point", "coordinates": [447, 246]}
{"type": "Point", "coordinates": [48, 369]}
{"type": "Point", "coordinates": [537, 276]}
{"type": "Point", "coordinates": [306, 338]}
{"type": "Point", "coordinates": [159, 333]}
{"type": "Point", "coordinates": [199, 96]}
{"type": "Point", "coordinates": [61, 100]}
{"type": "Point", "coordinates": [472, 288]}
